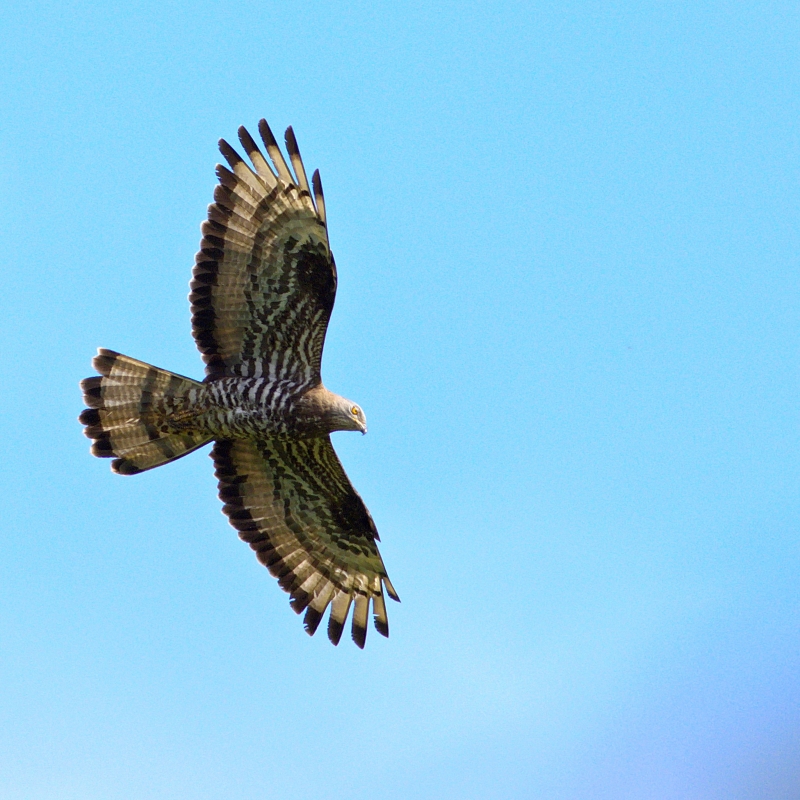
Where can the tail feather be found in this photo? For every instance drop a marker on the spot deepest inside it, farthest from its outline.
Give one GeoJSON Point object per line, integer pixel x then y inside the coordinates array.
{"type": "Point", "coordinates": [131, 414]}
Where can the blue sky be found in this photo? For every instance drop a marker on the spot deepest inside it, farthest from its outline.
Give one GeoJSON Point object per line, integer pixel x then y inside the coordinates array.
{"type": "Point", "coordinates": [568, 257]}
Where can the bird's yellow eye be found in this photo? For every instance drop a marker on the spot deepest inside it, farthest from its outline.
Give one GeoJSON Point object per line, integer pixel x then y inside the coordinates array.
{"type": "Point", "coordinates": [354, 411]}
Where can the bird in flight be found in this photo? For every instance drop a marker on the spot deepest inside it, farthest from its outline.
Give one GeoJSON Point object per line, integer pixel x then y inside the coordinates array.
{"type": "Point", "coordinates": [262, 292]}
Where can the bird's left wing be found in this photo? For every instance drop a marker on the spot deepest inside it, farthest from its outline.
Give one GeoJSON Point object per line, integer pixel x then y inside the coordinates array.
{"type": "Point", "coordinates": [264, 280]}
{"type": "Point", "coordinates": [292, 502]}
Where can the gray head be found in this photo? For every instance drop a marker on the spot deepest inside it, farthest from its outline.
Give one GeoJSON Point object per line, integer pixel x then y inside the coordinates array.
{"type": "Point", "coordinates": [345, 415]}
{"type": "Point", "coordinates": [320, 411]}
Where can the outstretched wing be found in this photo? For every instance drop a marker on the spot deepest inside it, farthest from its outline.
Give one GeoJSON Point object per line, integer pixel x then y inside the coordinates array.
{"type": "Point", "coordinates": [264, 280]}
{"type": "Point", "coordinates": [291, 500]}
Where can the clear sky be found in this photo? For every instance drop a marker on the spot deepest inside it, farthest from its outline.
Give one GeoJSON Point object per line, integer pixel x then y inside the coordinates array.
{"type": "Point", "coordinates": [567, 239]}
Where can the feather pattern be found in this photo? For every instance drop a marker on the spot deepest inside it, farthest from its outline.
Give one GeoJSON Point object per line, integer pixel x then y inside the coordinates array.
{"type": "Point", "coordinates": [274, 152]}
{"type": "Point", "coordinates": [262, 292]}
{"type": "Point", "coordinates": [265, 260]}
{"type": "Point", "coordinates": [135, 413]}
{"type": "Point", "coordinates": [292, 502]}
{"type": "Point", "coordinates": [319, 197]}
{"type": "Point", "coordinates": [259, 162]}
{"type": "Point", "coordinates": [296, 159]}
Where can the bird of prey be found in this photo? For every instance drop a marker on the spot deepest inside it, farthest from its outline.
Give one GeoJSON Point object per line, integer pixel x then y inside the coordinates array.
{"type": "Point", "coordinates": [262, 291]}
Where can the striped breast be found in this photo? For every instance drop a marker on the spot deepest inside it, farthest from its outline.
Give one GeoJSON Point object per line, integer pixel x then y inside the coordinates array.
{"type": "Point", "coordinates": [241, 407]}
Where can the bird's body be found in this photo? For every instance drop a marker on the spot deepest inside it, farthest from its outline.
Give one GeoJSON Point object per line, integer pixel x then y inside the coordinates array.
{"type": "Point", "coordinates": [263, 288]}
{"type": "Point", "coordinates": [246, 408]}
{"type": "Point", "coordinates": [236, 408]}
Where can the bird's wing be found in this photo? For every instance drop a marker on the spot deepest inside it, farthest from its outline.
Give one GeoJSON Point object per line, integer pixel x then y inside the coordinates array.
{"type": "Point", "coordinates": [264, 280]}
{"type": "Point", "coordinates": [292, 502]}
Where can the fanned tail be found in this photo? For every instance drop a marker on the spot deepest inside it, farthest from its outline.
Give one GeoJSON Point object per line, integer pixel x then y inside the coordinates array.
{"type": "Point", "coordinates": [133, 411]}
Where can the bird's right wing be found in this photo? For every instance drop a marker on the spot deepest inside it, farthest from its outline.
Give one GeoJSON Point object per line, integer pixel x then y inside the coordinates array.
{"type": "Point", "coordinates": [292, 502]}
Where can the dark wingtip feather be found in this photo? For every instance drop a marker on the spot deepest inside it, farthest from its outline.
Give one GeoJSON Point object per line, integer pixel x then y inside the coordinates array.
{"type": "Point", "coordinates": [91, 390]}
{"type": "Point", "coordinates": [256, 156]}
{"type": "Point", "coordinates": [291, 141]}
{"type": "Point", "coordinates": [89, 416]}
{"type": "Point", "coordinates": [319, 197]}
{"type": "Point", "coordinates": [124, 467]}
{"type": "Point", "coordinates": [296, 159]}
{"type": "Point", "coordinates": [287, 580]}
{"type": "Point", "coordinates": [266, 133]}
{"type": "Point", "coordinates": [103, 362]}
{"type": "Point", "coordinates": [360, 620]}
{"type": "Point", "coordinates": [225, 176]}
{"type": "Point", "coordinates": [223, 197]}
{"type": "Point", "coordinates": [299, 601]}
{"type": "Point", "coordinates": [311, 620]}
{"type": "Point", "coordinates": [247, 140]}
{"type": "Point", "coordinates": [229, 154]}
{"type": "Point", "coordinates": [102, 448]}
{"type": "Point", "coordinates": [379, 615]}
{"type": "Point", "coordinates": [274, 152]}
{"type": "Point", "coordinates": [335, 630]}
{"type": "Point", "coordinates": [359, 636]}
{"type": "Point", "coordinates": [390, 589]}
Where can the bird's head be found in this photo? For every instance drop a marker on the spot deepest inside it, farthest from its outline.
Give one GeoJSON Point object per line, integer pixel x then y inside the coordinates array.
{"type": "Point", "coordinates": [320, 411]}
{"type": "Point", "coordinates": [348, 416]}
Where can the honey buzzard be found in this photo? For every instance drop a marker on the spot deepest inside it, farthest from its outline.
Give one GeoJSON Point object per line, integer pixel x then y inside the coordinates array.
{"type": "Point", "coordinates": [262, 292]}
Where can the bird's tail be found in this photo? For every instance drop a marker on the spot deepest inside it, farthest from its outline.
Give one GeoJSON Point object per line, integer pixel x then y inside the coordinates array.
{"type": "Point", "coordinates": [134, 413]}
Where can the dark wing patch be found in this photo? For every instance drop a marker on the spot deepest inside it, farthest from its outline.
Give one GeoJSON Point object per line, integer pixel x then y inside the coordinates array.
{"type": "Point", "coordinates": [264, 281]}
{"type": "Point", "coordinates": [292, 502]}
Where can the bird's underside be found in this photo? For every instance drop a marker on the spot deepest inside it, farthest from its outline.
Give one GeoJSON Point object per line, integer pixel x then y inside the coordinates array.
{"type": "Point", "coordinates": [263, 288]}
